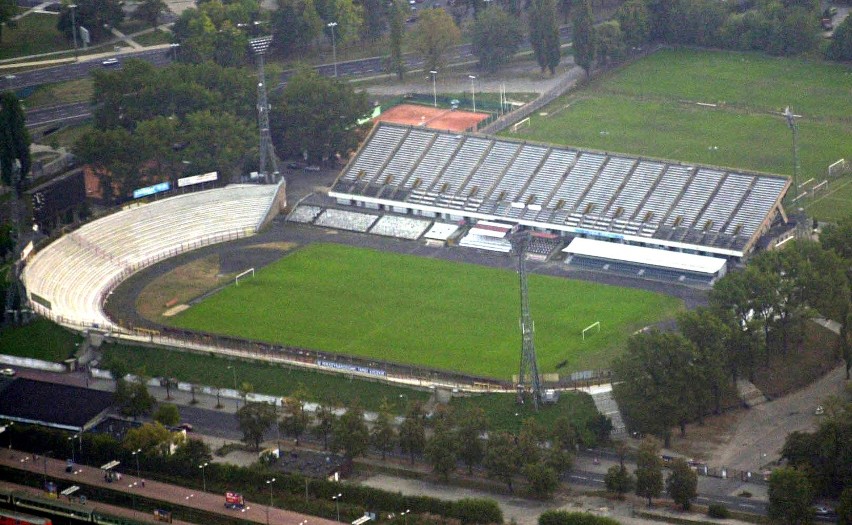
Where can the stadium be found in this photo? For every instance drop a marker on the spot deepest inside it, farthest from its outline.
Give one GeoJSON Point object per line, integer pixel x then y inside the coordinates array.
{"type": "Point", "coordinates": [642, 219]}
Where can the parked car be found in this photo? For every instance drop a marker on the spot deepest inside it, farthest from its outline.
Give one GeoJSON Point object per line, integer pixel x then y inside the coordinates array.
{"type": "Point", "coordinates": [312, 168]}
{"type": "Point", "coordinates": [8, 372]}
{"type": "Point", "coordinates": [110, 62]}
{"type": "Point", "coordinates": [185, 426]}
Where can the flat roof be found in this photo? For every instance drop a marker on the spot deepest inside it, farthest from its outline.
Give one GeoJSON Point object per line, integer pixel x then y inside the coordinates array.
{"type": "Point", "coordinates": [647, 256]}
{"type": "Point", "coordinates": [51, 404]}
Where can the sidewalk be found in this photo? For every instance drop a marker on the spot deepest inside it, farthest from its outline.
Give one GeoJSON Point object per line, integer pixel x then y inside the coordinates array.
{"type": "Point", "coordinates": [179, 496]}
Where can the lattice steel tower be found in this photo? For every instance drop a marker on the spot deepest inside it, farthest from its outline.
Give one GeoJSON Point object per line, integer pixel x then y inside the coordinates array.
{"type": "Point", "coordinates": [528, 377]}
{"type": "Point", "coordinates": [259, 46]}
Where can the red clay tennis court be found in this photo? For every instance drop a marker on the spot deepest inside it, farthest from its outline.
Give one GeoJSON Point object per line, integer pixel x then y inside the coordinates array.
{"type": "Point", "coordinates": [434, 118]}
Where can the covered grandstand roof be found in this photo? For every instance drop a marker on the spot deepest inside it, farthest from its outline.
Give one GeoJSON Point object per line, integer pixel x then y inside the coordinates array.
{"type": "Point", "coordinates": [646, 256]}
{"type": "Point", "coordinates": [52, 404]}
{"type": "Point", "coordinates": [654, 202]}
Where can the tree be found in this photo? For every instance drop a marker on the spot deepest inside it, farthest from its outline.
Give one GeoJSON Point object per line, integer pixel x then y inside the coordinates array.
{"type": "Point", "coordinates": [441, 451]}
{"type": "Point", "coordinates": [600, 427]}
{"type": "Point", "coordinates": [254, 418]}
{"type": "Point", "coordinates": [649, 470]}
{"type": "Point", "coordinates": [167, 414]}
{"type": "Point", "coordinates": [503, 458]}
{"type": "Point", "coordinates": [295, 419]}
{"type": "Point", "coordinates": [710, 335]}
{"type": "Point", "coordinates": [98, 16]}
{"type": "Point", "coordinates": [375, 16]}
{"type": "Point", "coordinates": [151, 438]}
{"type": "Point", "coordinates": [471, 448]}
{"type": "Point", "coordinates": [149, 11]}
{"type": "Point", "coordinates": [8, 9]}
{"type": "Point", "coordinates": [383, 435]}
{"type": "Point", "coordinates": [562, 517]}
{"type": "Point", "coordinates": [542, 479]}
{"type": "Point", "coordinates": [137, 400]}
{"type": "Point", "coordinates": [396, 22]}
{"type": "Point", "coordinates": [351, 435]}
{"type": "Point", "coordinates": [564, 434]}
{"type": "Point", "coordinates": [844, 507]}
{"type": "Point", "coordinates": [619, 481]}
{"type": "Point", "coordinates": [656, 380]}
{"type": "Point", "coordinates": [193, 452]}
{"type": "Point", "coordinates": [496, 38]}
{"type": "Point", "coordinates": [412, 433]}
{"type": "Point", "coordinates": [295, 24]}
{"type": "Point", "coordinates": [157, 137]}
{"type": "Point", "coordinates": [14, 142]}
{"type": "Point", "coordinates": [316, 116]}
{"type": "Point", "coordinates": [838, 238]}
{"type": "Point", "coordinates": [682, 483]}
{"type": "Point", "coordinates": [840, 47]}
{"type": "Point", "coordinates": [583, 43]}
{"type": "Point", "coordinates": [790, 497]}
{"type": "Point", "coordinates": [609, 42]}
{"type": "Point", "coordinates": [544, 34]}
{"type": "Point", "coordinates": [325, 420]}
{"type": "Point", "coordinates": [634, 20]}
{"type": "Point", "coordinates": [220, 142]}
{"type": "Point", "coordinates": [433, 36]}
{"type": "Point", "coordinates": [349, 17]}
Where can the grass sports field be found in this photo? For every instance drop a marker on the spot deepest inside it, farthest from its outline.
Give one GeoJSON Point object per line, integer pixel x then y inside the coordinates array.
{"type": "Point", "coordinates": [652, 108]}
{"type": "Point", "coordinates": [425, 311]}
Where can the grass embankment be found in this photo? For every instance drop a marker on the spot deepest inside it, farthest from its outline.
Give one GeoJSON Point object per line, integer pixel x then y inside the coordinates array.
{"type": "Point", "coordinates": [426, 312]}
{"type": "Point", "coordinates": [36, 33]}
{"type": "Point", "coordinates": [651, 108]}
{"type": "Point", "coordinates": [40, 339]}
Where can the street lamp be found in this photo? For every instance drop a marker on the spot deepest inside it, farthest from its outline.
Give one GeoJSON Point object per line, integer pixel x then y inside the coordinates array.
{"type": "Point", "coordinates": [332, 25]}
{"type": "Point", "coordinates": [434, 88]}
{"type": "Point", "coordinates": [337, 504]}
{"type": "Point", "coordinates": [269, 482]}
{"type": "Point", "coordinates": [203, 476]}
{"type": "Point", "coordinates": [174, 48]}
{"type": "Point", "coordinates": [73, 456]}
{"type": "Point", "coordinates": [406, 515]}
{"type": "Point", "coordinates": [132, 486]}
{"type": "Point", "coordinates": [73, 7]}
{"type": "Point", "coordinates": [135, 454]}
{"type": "Point", "coordinates": [237, 399]}
{"type": "Point", "coordinates": [473, 90]}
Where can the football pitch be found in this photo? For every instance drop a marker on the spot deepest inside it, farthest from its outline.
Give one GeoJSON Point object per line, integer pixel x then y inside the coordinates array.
{"type": "Point", "coordinates": [712, 107]}
{"type": "Point", "coordinates": [426, 312]}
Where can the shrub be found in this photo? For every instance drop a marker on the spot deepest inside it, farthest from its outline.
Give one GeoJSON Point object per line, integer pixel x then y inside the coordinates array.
{"type": "Point", "coordinates": [715, 510]}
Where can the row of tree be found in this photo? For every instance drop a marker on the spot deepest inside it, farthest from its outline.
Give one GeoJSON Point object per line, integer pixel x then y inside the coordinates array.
{"type": "Point", "coordinates": [669, 379]}
{"type": "Point", "coordinates": [681, 484]}
{"type": "Point", "coordinates": [444, 439]}
{"type": "Point", "coordinates": [153, 125]}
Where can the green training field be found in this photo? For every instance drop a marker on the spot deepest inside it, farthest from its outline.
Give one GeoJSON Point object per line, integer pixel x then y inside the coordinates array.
{"type": "Point", "coordinates": [650, 108]}
{"type": "Point", "coordinates": [425, 311]}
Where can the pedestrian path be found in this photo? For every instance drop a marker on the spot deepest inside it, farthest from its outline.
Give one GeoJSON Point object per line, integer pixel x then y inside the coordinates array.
{"type": "Point", "coordinates": [121, 36]}
{"type": "Point", "coordinates": [37, 9]}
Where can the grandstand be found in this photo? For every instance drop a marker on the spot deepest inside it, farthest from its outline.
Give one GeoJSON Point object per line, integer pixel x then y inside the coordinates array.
{"type": "Point", "coordinates": [69, 279]}
{"type": "Point", "coordinates": [708, 212]}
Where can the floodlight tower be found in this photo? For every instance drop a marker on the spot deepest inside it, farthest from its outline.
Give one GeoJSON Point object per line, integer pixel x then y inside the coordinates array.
{"type": "Point", "coordinates": [259, 47]}
{"type": "Point", "coordinates": [794, 127]}
{"type": "Point", "coordinates": [528, 376]}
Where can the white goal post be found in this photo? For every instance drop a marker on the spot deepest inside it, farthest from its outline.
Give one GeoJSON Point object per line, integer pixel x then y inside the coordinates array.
{"type": "Point", "coordinates": [525, 122]}
{"type": "Point", "coordinates": [237, 278]}
{"type": "Point", "coordinates": [593, 325]}
{"type": "Point", "coordinates": [838, 168]}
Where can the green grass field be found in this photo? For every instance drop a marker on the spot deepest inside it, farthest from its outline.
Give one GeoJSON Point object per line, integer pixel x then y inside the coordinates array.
{"type": "Point", "coordinates": [36, 33]}
{"type": "Point", "coordinates": [265, 378]}
{"type": "Point", "coordinates": [650, 108]}
{"type": "Point", "coordinates": [425, 311]}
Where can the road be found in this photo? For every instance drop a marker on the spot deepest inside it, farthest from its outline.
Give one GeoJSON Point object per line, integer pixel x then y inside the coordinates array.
{"type": "Point", "coordinates": [162, 57]}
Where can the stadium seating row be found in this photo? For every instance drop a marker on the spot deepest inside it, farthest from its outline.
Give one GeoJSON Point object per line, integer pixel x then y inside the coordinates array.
{"type": "Point", "coordinates": [75, 273]}
{"type": "Point", "coordinates": [465, 174]}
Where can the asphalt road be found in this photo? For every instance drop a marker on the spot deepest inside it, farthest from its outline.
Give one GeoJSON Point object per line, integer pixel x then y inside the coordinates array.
{"type": "Point", "coordinates": [61, 114]}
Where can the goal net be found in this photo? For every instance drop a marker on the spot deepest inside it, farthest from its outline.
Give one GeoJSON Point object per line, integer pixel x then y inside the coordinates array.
{"type": "Point", "coordinates": [838, 168]}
